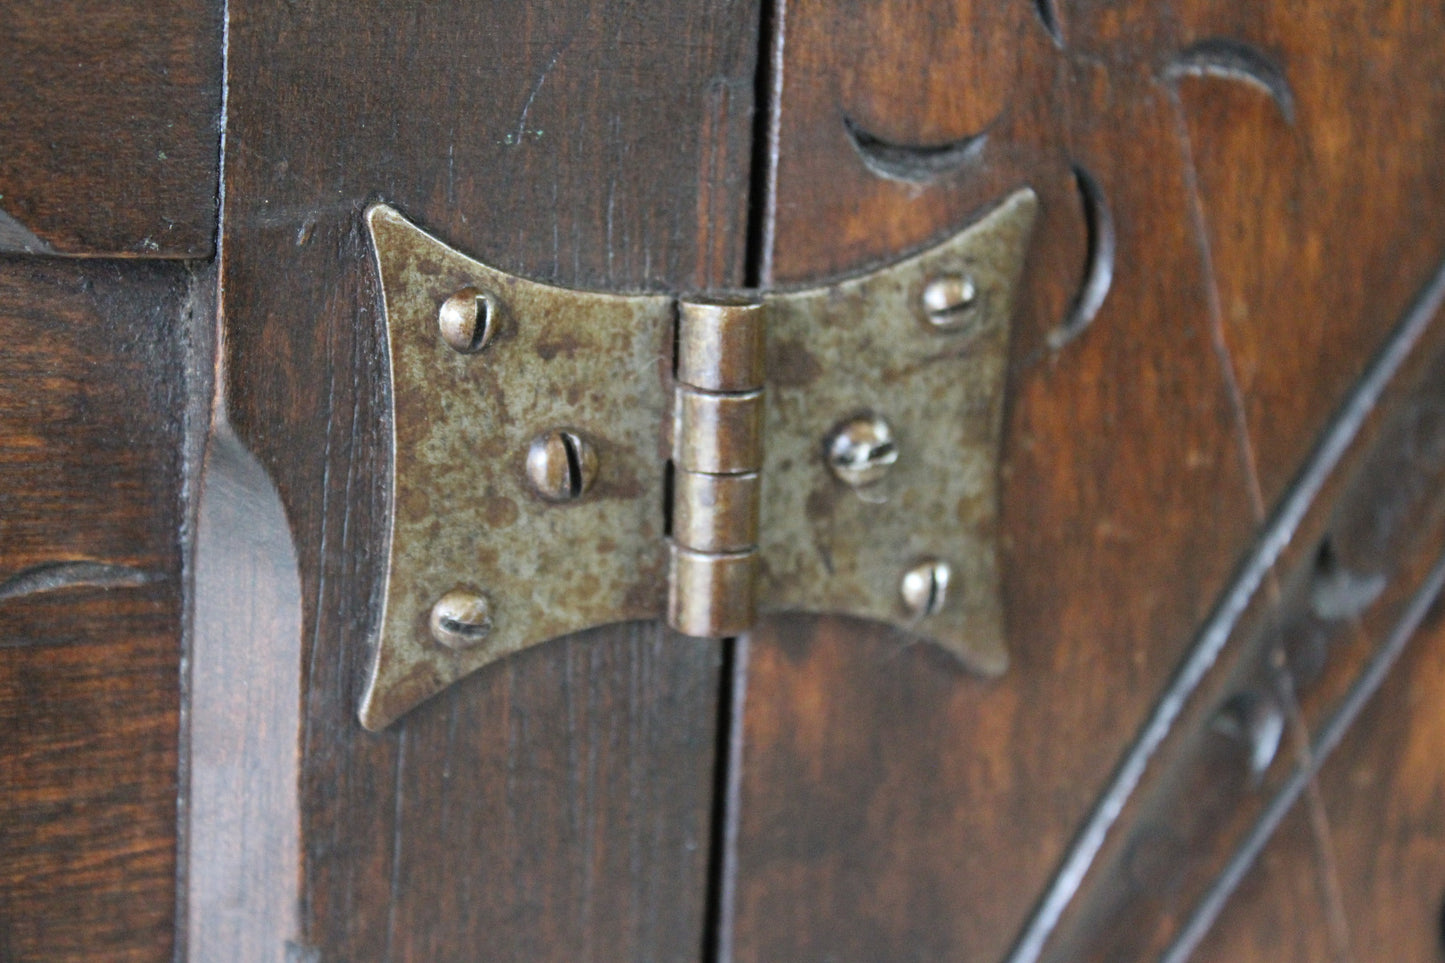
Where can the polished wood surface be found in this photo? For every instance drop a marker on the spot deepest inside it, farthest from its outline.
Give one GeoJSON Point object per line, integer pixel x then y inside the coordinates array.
{"type": "Point", "coordinates": [110, 127]}
{"type": "Point", "coordinates": [1373, 888]}
{"type": "Point", "coordinates": [1268, 236]}
{"type": "Point", "coordinates": [556, 806]}
{"type": "Point", "coordinates": [91, 405]}
{"type": "Point", "coordinates": [1239, 200]}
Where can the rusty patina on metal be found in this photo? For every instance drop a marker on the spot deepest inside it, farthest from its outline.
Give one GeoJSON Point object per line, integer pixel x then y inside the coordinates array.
{"type": "Point", "coordinates": [469, 523]}
{"type": "Point", "coordinates": [867, 345]}
{"type": "Point", "coordinates": [465, 514]}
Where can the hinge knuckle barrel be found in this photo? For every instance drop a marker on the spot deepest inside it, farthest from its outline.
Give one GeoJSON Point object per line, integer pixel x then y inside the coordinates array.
{"type": "Point", "coordinates": [711, 594]}
{"type": "Point", "coordinates": [717, 454]}
{"type": "Point", "coordinates": [721, 434]}
{"type": "Point", "coordinates": [720, 344]}
{"type": "Point", "coordinates": [715, 513]}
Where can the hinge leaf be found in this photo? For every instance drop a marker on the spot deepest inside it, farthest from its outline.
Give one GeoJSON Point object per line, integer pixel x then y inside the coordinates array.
{"type": "Point", "coordinates": [465, 515]}
{"type": "Point", "coordinates": [867, 347]}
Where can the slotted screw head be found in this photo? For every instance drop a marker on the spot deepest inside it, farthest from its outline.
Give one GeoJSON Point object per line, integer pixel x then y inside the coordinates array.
{"type": "Point", "coordinates": [949, 301]}
{"type": "Point", "coordinates": [861, 450]}
{"type": "Point", "coordinates": [561, 465]}
{"type": "Point", "coordinates": [460, 619]}
{"type": "Point", "coordinates": [466, 321]}
{"type": "Point", "coordinates": [925, 587]}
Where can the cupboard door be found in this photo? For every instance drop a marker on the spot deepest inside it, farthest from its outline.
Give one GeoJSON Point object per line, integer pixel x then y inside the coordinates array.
{"type": "Point", "coordinates": [555, 806]}
{"type": "Point", "coordinates": [1257, 189]}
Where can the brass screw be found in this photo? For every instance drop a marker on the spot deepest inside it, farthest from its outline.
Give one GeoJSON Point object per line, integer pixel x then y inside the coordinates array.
{"type": "Point", "coordinates": [925, 587]}
{"type": "Point", "coordinates": [466, 321]}
{"type": "Point", "coordinates": [460, 619]}
{"type": "Point", "coordinates": [949, 302]}
{"type": "Point", "coordinates": [561, 465]}
{"type": "Point", "coordinates": [861, 450]}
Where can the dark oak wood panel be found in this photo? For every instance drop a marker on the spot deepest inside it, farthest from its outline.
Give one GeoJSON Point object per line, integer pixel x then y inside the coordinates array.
{"type": "Point", "coordinates": [558, 809]}
{"type": "Point", "coordinates": [1374, 888]}
{"type": "Point", "coordinates": [1267, 239]}
{"type": "Point", "coordinates": [895, 121]}
{"type": "Point", "coordinates": [961, 793]}
{"type": "Point", "coordinates": [1320, 206]}
{"type": "Point", "coordinates": [109, 127]}
{"type": "Point", "coordinates": [1284, 906]}
{"type": "Point", "coordinates": [1278, 685]}
{"type": "Point", "coordinates": [91, 405]}
{"type": "Point", "coordinates": [556, 806]}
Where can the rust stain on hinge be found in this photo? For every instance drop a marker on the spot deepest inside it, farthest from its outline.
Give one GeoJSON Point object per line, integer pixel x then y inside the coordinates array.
{"type": "Point", "coordinates": [533, 439]}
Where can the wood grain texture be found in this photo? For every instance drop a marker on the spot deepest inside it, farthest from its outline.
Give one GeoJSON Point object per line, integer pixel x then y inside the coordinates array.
{"type": "Point", "coordinates": [90, 422]}
{"type": "Point", "coordinates": [109, 127]}
{"type": "Point", "coordinates": [891, 806]}
{"type": "Point", "coordinates": [1379, 523]}
{"type": "Point", "coordinates": [1383, 790]}
{"type": "Point", "coordinates": [556, 806]}
{"type": "Point", "coordinates": [1284, 906]}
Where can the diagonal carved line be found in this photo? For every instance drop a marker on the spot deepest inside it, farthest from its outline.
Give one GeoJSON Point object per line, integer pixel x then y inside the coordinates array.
{"type": "Point", "coordinates": [1328, 739]}
{"type": "Point", "coordinates": [1273, 538]}
{"type": "Point", "coordinates": [1233, 60]}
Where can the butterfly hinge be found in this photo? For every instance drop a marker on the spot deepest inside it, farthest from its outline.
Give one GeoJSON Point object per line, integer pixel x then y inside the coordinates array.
{"type": "Point", "coordinates": [563, 459]}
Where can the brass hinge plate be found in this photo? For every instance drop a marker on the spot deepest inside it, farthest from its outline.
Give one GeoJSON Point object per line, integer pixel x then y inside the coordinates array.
{"type": "Point", "coordinates": [531, 435]}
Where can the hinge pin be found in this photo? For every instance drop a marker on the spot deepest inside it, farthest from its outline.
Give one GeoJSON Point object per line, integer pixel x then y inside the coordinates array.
{"type": "Point", "coordinates": [717, 452]}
